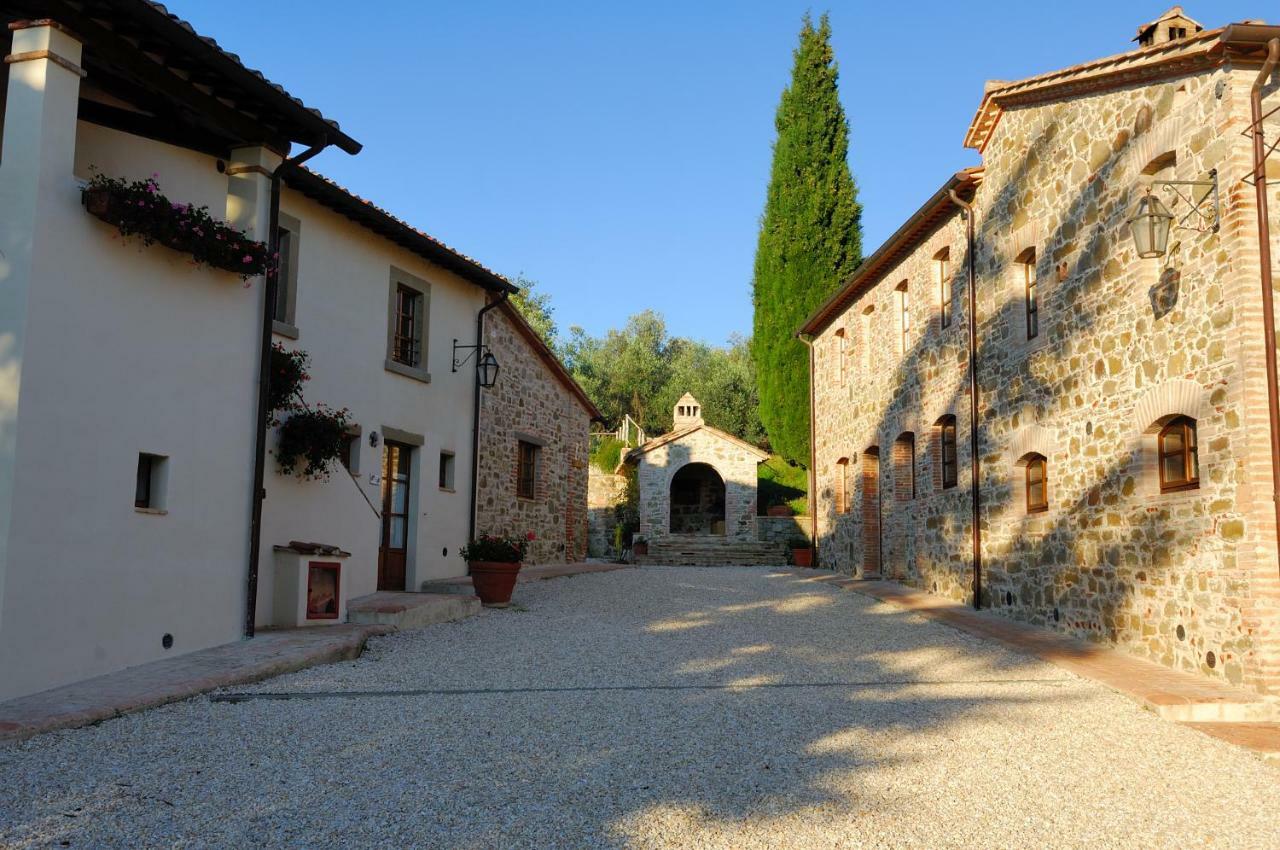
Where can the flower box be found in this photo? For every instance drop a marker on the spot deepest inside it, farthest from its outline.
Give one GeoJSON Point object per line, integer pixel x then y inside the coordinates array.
{"type": "Point", "coordinates": [139, 210]}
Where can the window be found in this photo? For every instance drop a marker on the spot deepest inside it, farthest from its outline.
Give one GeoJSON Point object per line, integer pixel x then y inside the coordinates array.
{"type": "Point", "coordinates": [1031, 296]}
{"type": "Point", "coordinates": [864, 337]}
{"type": "Point", "coordinates": [1179, 456]}
{"type": "Point", "coordinates": [350, 452]}
{"type": "Point", "coordinates": [947, 451]}
{"type": "Point", "coordinates": [446, 470]}
{"type": "Point", "coordinates": [149, 491]}
{"type": "Point", "coordinates": [904, 318]}
{"type": "Point", "coordinates": [942, 263]}
{"type": "Point", "coordinates": [527, 470]}
{"type": "Point", "coordinates": [842, 355]}
{"type": "Point", "coordinates": [842, 486]}
{"type": "Point", "coordinates": [1037, 484]}
{"type": "Point", "coordinates": [904, 467]}
{"type": "Point", "coordinates": [284, 310]}
{"type": "Point", "coordinates": [407, 326]}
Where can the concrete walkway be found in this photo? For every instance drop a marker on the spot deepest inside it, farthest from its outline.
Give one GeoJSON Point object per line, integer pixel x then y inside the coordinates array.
{"type": "Point", "coordinates": [651, 708]}
{"type": "Point", "coordinates": [271, 653]}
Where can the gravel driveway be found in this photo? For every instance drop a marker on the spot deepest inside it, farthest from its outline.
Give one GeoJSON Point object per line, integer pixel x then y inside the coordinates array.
{"type": "Point", "coordinates": [656, 707]}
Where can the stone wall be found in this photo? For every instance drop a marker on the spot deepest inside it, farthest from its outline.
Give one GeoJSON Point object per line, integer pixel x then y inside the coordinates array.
{"type": "Point", "coordinates": [530, 403]}
{"type": "Point", "coordinates": [1187, 579]}
{"type": "Point", "coordinates": [605, 493]}
{"type": "Point", "coordinates": [736, 465]}
{"type": "Point", "coordinates": [781, 529]}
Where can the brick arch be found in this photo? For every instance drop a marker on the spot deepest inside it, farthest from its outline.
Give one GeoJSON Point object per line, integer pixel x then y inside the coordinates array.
{"type": "Point", "coordinates": [1149, 146]}
{"type": "Point", "coordinates": [1029, 440]}
{"type": "Point", "coordinates": [1175, 397]}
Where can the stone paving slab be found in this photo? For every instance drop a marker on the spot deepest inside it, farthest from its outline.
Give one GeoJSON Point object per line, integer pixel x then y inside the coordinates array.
{"type": "Point", "coordinates": [456, 584]}
{"type": "Point", "coordinates": [1174, 695]}
{"type": "Point", "coordinates": [412, 610]}
{"type": "Point", "coordinates": [270, 653]}
{"type": "Point", "coordinates": [1262, 738]}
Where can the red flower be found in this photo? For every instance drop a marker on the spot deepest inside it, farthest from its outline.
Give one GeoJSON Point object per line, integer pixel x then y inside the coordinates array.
{"type": "Point", "coordinates": [530, 536]}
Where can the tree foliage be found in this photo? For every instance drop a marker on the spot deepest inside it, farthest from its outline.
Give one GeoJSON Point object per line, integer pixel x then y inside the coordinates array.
{"type": "Point", "coordinates": [640, 370]}
{"type": "Point", "coordinates": [535, 307]}
{"type": "Point", "coordinates": [810, 236]}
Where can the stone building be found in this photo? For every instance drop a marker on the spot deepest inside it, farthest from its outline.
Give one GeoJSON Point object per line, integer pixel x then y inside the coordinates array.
{"type": "Point", "coordinates": [534, 428]}
{"type": "Point", "coordinates": [1124, 483]}
{"type": "Point", "coordinates": [697, 493]}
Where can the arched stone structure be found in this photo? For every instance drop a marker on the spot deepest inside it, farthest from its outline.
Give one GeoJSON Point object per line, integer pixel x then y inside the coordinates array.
{"type": "Point", "coordinates": [697, 500]}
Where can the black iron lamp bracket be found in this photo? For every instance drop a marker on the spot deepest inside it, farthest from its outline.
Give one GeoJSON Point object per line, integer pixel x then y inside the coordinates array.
{"type": "Point", "coordinates": [475, 350]}
{"type": "Point", "coordinates": [1202, 198]}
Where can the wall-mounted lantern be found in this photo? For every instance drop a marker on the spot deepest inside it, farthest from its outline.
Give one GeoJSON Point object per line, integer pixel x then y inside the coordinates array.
{"type": "Point", "coordinates": [1151, 221]}
{"type": "Point", "coordinates": [373, 439]}
{"type": "Point", "coordinates": [486, 364]}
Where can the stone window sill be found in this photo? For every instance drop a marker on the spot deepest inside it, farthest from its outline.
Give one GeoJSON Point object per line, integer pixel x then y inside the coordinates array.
{"type": "Point", "coordinates": [416, 373]}
{"type": "Point", "coordinates": [152, 511]}
{"type": "Point", "coordinates": [284, 329]}
{"type": "Point", "coordinates": [447, 490]}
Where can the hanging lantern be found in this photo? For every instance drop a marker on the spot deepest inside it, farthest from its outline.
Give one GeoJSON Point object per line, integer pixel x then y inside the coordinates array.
{"type": "Point", "coordinates": [1150, 227]}
{"type": "Point", "coordinates": [487, 370]}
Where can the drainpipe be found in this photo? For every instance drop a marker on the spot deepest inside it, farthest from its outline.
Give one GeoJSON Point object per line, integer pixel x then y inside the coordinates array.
{"type": "Point", "coordinates": [973, 398]}
{"type": "Point", "coordinates": [807, 339]}
{"type": "Point", "coordinates": [475, 420]}
{"type": "Point", "coordinates": [259, 492]}
{"type": "Point", "coordinates": [1264, 257]}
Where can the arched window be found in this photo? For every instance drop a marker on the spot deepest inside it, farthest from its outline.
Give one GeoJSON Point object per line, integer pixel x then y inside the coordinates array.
{"type": "Point", "coordinates": [942, 267]}
{"type": "Point", "coordinates": [1031, 295]}
{"type": "Point", "coordinates": [904, 467]}
{"type": "Point", "coordinates": [946, 459]}
{"type": "Point", "coordinates": [842, 486]}
{"type": "Point", "coordinates": [1037, 484]}
{"type": "Point", "coordinates": [1179, 456]}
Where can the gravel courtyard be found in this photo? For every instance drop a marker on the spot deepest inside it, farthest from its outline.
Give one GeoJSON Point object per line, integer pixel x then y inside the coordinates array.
{"type": "Point", "coordinates": [655, 707]}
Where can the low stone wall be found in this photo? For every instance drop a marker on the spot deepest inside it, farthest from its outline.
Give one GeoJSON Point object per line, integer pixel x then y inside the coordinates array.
{"type": "Point", "coordinates": [780, 529]}
{"type": "Point", "coordinates": [605, 493]}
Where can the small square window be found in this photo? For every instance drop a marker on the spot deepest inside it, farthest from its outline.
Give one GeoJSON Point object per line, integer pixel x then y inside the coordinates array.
{"type": "Point", "coordinates": [152, 480]}
{"type": "Point", "coordinates": [446, 470]}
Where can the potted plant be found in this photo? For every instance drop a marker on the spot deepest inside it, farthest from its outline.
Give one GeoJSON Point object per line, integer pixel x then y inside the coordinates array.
{"type": "Point", "coordinates": [639, 545]}
{"type": "Point", "coordinates": [780, 509]}
{"type": "Point", "coordinates": [801, 551]}
{"type": "Point", "coordinates": [494, 564]}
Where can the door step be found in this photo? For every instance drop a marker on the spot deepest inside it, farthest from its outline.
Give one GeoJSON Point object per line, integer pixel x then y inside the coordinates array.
{"type": "Point", "coordinates": [411, 610]}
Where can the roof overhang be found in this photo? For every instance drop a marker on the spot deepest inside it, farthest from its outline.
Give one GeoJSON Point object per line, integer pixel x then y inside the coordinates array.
{"type": "Point", "coordinates": [1242, 42]}
{"type": "Point", "coordinates": [367, 214]}
{"type": "Point", "coordinates": [179, 85]}
{"type": "Point", "coordinates": [915, 229]}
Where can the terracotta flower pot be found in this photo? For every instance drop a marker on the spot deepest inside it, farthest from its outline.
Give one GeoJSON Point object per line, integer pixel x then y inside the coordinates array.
{"type": "Point", "coordinates": [802, 557]}
{"type": "Point", "coordinates": [780, 510]}
{"type": "Point", "coordinates": [640, 548]}
{"type": "Point", "coordinates": [98, 203]}
{"type": "Point", "coordinates": [494, 581]}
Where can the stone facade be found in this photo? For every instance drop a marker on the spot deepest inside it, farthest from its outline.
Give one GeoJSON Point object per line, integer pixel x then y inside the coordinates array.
{"type": "Point", "coordinates": [1189, 578]}
{"type": "Point", "coordinates": [691, 445]}
{"type": "Point", "coordinates": [781, 529]}
{"type": "Point", "coordinates": [534, 401]}
{"type": "Point", "coordinates": [606, 492]}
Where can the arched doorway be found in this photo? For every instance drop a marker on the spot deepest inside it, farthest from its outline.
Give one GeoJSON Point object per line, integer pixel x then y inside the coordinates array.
{"type": "Point", "coordinates": [697, 501]}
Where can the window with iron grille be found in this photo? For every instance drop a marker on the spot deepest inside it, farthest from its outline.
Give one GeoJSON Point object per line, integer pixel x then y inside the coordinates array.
{"type": "Point", "coordinates": [1032, 294]}
{"type": "Point", "coordinates": [527, 470]}
{"type": "Point", "coordinates": [947, 450]}
{"type": "Point", "coordinates": [942, 261]}
{"type": "Point", "coordinates": [406, 345]}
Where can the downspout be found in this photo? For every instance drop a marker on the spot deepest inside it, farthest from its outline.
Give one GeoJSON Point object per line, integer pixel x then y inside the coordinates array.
{"type": "Point", "coordinates": [807, 339]}
{"type": "Point", "coordinates": [974, 463]}
{"type": "Point", "coordinates": [1264, 257]}
{"type": "Point", "coordinates": [259, 492]}
{"type": "Point", "coordinates": [475, 419]}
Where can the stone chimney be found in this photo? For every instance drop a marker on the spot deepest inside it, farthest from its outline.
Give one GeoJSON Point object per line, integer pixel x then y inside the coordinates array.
{"type": "Point", "coordinates": [1173, 25]}
{"type": "Point", "coordinates": [688, 412]}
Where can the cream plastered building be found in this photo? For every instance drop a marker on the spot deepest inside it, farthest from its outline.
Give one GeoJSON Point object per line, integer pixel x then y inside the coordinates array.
{"type": "Point", "coordinates": [1124, 482]}
{"type": "Point", "coordinates": [114, 355]}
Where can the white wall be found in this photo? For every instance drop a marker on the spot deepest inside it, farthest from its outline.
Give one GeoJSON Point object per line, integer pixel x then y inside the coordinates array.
{"type": "Point", "coordinates": [341, 316]}
{"type": "Point", "coordinates": [128, 350]}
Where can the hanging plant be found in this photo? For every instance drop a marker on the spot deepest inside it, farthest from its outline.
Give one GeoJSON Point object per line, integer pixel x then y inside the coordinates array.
{"type": "Point", "coordinates": [311, 440]}
{"type": "Point", "coordinates": [288, 374]}
{"type": "Point", "coordinates": [138, 209]}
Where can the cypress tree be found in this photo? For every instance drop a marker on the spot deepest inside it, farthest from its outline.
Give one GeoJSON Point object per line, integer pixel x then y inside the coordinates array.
{"type": "Point", "coordinates": [810, 236]}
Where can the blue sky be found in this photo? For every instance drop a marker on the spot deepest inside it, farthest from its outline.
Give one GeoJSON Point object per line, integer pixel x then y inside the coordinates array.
{"type": "Point", "coordinates": [618, 153]}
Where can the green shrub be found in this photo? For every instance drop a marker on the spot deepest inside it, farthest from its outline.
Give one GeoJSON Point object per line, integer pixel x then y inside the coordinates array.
{"type": "Point", "coordinates": [607, 454]}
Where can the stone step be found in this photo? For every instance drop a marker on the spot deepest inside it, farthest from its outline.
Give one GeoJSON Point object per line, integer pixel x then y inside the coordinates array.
{"type": "Point", "coordinates": [411, 610]}
{"type": "Point", "coordinates": [713, 553]}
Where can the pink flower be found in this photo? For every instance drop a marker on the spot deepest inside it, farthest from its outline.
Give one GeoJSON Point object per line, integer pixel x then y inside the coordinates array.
{"type": "Point", "coordinates": [248, 259]}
